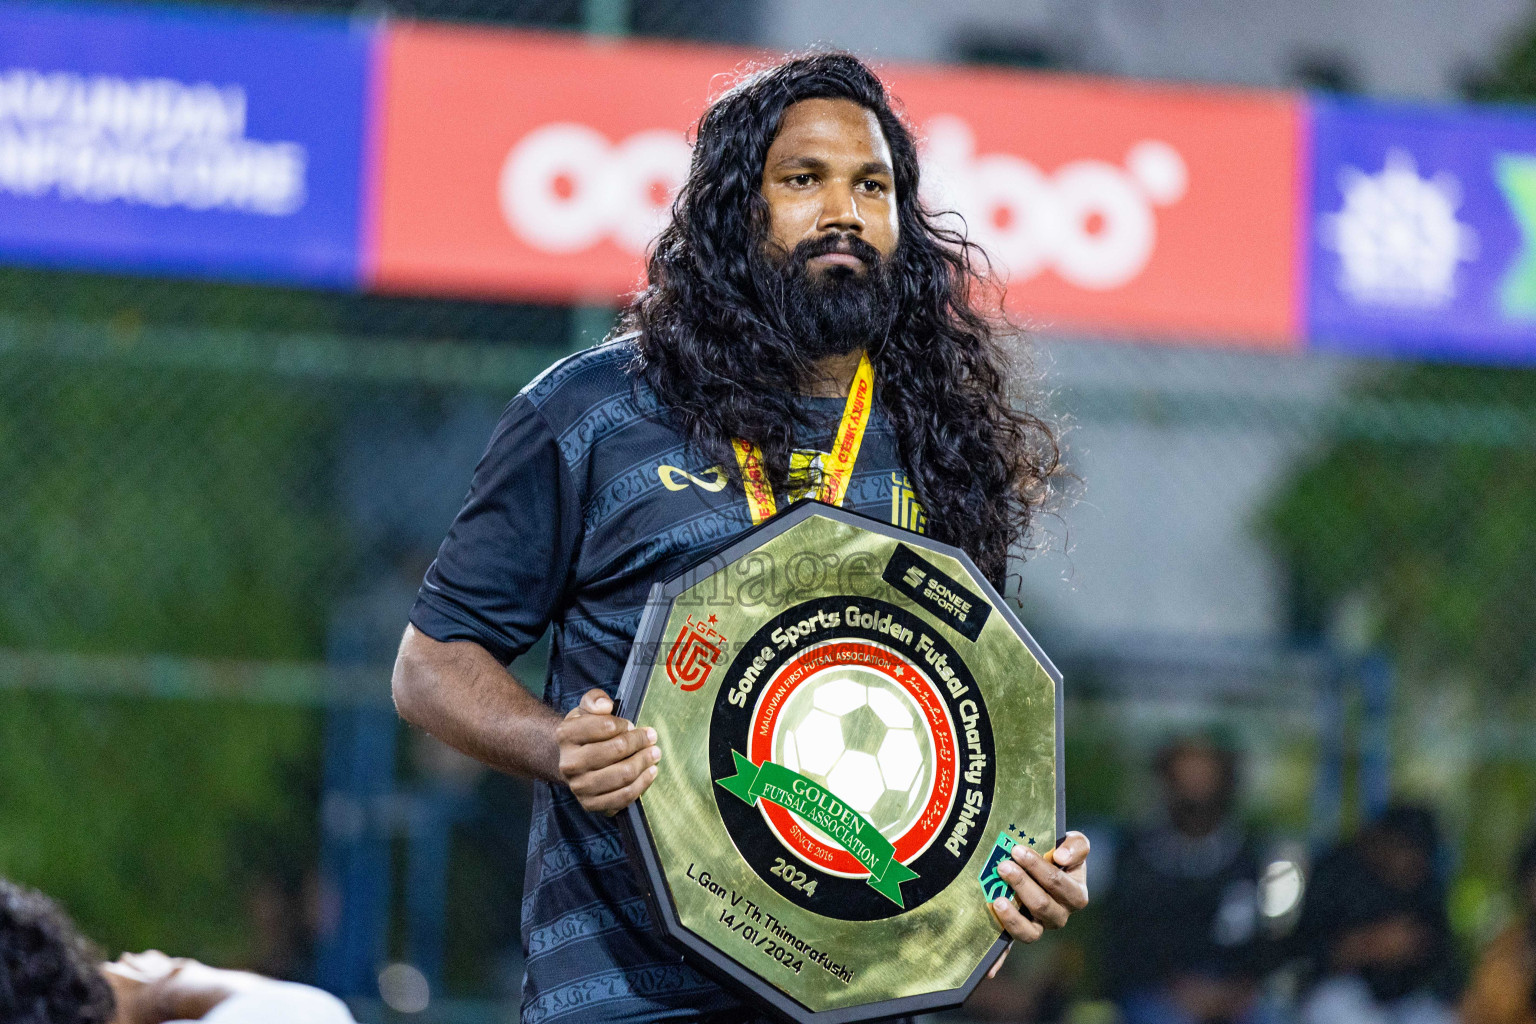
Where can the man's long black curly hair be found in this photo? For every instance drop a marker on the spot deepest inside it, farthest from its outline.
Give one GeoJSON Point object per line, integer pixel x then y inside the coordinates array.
{"type": "Point", "coordinates": [715, 347]}
{"type": "Point", "coordinates": [49, 974]}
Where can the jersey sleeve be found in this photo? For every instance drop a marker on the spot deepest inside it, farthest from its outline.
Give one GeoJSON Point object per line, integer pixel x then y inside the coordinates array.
{"type": "Point", "coordinates": [503, 569]}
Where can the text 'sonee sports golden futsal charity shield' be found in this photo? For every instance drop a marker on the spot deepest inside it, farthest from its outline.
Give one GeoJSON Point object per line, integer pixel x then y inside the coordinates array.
{"type": "Point", "coordinates": [857, 730]}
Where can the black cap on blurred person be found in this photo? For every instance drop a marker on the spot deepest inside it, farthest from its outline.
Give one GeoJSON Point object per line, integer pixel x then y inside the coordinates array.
{"type": "Point", "coordinates": [1411, 823]}
{"type": "Point", "coordinates": [1402, 845]}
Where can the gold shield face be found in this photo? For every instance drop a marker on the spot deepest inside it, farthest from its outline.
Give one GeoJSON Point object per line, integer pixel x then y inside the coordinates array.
{"type": "Point", "coordinates": [856, 731]}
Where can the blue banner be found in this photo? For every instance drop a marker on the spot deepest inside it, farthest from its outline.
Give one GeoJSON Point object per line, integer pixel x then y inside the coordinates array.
{"type": "Point", "coordinates": [183, 142]}
{"type": "Point", "coordinates": [1423, 231]}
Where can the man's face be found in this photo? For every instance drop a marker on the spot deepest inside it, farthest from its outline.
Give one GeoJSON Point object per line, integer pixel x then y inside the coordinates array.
{"type": "Point", "coordinates": [1193, 790]}
{"type": "Point", "coordinates": [1396, 859]}
{"type": "Point", "coordinates": [828, 181]}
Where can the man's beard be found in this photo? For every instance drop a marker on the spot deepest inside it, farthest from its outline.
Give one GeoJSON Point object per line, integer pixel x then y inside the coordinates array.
{"type": "Point", "coordinates": [836, 311]}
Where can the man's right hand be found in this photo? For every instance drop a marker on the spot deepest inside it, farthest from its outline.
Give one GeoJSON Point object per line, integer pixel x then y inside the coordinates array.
{"type": "Point", "coordinates": [605, 760]}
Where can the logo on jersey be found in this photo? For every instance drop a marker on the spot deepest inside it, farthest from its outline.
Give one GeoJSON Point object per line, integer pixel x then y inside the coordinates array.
{"type": "Point", "coordinates": [805, 467]}
{"type": "Point", "coordinates": [674, 479]}
{"type": "Point", "coordinates": [906, 512]}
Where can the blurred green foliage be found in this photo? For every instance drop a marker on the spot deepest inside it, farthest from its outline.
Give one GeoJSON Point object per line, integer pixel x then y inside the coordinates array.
{"type": "Point", "coordinates": [1437, 540]}
{"type": "Point", "coordinates": [158, 512]}
{"type": "Point", "coordinates": [1512, 75]}
{"type": "Point", "coordinates": [169, 513]}
{"type": "Point", "coordinates": [1428, 551]}
{"type": "Point", "coordinates": [171, 490]}
{"type": "Point", "coordinates": [140, 816]}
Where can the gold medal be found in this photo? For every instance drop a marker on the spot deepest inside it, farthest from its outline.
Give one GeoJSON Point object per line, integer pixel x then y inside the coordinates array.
{"type": "Point", "coordinates": [837, 469]}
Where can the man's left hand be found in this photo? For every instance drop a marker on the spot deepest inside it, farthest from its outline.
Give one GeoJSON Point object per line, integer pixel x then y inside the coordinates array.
{"type": "Point", "coordinates": [1049, 888]}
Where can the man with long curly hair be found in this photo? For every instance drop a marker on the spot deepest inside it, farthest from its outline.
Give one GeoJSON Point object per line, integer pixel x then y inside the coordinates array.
{"type": "Point", "coordinates": [799, 261]}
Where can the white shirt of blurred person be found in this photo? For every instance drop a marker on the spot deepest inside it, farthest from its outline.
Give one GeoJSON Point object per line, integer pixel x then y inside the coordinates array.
{"type": "Point", "coordinates": [152, 988]}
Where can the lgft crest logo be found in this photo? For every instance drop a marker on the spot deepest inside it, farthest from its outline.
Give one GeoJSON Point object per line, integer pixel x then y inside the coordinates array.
{"type": "Point", "coordinates": [694, 653]}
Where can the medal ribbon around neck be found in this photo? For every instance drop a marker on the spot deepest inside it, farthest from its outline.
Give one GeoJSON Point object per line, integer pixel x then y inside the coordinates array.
{"type": "Point", "coordinates": [836, 470]}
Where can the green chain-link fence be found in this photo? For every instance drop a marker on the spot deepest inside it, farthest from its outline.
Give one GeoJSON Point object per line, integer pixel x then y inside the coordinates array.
{"type": "Point", "coordinates": [218, 501]}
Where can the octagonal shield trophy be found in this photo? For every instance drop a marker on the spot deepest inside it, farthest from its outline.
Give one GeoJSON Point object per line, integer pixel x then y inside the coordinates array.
{"type": "Point", "coordinates": [857, 730]}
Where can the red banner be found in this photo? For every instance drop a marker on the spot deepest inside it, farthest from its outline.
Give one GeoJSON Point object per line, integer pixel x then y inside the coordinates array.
{"type": "Point", "coordinates": [539, 167]}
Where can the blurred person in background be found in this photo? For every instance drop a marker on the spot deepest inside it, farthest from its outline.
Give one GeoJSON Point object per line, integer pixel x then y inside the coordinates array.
{"type": "Point", "coordinates": [1503, 987]}
{"type": "Point", "coordinates": [51, 974]}
{"type": "Point", "coordinates": [152, 988]}
{"type": "Point", "coordinates": [1183, 934]}
{"type": "Point", "coordinates": [1374, 931]}
{"type": "Point", "coordinates": [799, 269]}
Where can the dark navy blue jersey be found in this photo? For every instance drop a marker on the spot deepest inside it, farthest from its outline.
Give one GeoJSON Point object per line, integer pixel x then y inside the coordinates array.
{"type": "Point", "coordinates": [585, 497]}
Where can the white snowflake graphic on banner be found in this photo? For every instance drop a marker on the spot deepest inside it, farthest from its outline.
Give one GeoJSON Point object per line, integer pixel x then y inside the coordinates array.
{"type": "Point", "coordinates": [1397, 236]}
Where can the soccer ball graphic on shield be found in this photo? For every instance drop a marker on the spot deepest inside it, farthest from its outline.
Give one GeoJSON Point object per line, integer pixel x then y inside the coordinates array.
{"type": "Point", "coordinates": [863, 737]}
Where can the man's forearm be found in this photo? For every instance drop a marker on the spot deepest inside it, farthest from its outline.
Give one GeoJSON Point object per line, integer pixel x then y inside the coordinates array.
{"type": "Point", "coordinates": [459, 693]}
{"type": "Point", "coordinates": [195, 989]}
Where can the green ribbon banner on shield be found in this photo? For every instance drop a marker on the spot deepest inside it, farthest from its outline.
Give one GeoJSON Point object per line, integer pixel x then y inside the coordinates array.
{"type": "Point", "coordinates": [817, 805]}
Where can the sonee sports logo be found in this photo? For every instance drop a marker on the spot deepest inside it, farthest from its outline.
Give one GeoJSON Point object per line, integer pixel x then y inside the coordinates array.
{"type": "Point", "coordinates": [694, 654]}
